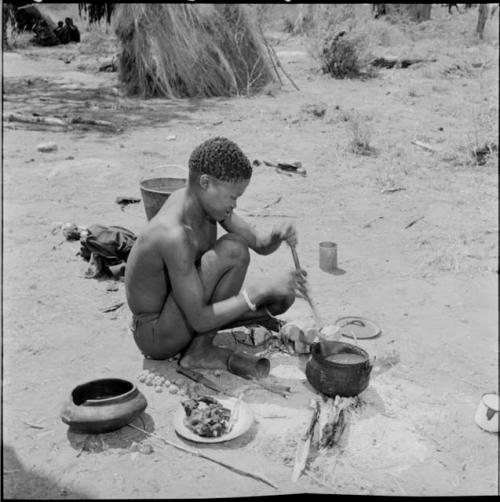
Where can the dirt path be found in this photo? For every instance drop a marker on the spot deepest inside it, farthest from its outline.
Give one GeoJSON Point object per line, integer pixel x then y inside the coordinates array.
{"type": "Point", "coordinates": [432, 286]}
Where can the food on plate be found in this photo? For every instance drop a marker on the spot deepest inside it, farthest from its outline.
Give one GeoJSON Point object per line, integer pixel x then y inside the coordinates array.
{"type": "Point", "coordinates": [206, 416]}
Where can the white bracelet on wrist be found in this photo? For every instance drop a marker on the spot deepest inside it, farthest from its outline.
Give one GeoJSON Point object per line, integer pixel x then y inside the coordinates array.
{"type": "Point", "coordinates": [250, 304]}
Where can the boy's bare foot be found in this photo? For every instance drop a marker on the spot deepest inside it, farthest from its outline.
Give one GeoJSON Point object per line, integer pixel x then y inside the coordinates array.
{"type": "Point", "coordinates": [202, 354]}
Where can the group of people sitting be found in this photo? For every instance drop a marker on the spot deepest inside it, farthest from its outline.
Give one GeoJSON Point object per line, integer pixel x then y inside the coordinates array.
{"type": "Point", "coordinates": [62, 34]}
{"type": "Point", "coordinates": [68, 32]}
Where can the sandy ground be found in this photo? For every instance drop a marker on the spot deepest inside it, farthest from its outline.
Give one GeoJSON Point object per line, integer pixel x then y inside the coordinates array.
{"type": "Point", "coordinates": [432, 287]}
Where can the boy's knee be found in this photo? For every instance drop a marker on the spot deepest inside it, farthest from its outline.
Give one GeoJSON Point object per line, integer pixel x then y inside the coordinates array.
{"type": "Point", "coordinates": [235, 248]}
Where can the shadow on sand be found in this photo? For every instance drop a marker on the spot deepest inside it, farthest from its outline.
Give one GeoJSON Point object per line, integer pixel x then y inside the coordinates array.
{"type": "Point", "coordinates": [22, 483]}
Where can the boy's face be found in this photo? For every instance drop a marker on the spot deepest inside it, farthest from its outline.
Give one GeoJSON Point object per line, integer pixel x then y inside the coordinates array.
{"type": "Point", "coordinates": [222, 196]}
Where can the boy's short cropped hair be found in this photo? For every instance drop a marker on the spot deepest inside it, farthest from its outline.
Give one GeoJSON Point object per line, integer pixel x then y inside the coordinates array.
{"type": "Point", "coordinates": [221, 158]}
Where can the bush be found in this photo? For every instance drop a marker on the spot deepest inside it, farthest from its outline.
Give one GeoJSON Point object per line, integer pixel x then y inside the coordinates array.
{"type": "Point", "coordinates": [340, 58]}
{"type": "Point", "coordinates": [339, 41]}
{"type": "Point", "coordinates": [287, 25]}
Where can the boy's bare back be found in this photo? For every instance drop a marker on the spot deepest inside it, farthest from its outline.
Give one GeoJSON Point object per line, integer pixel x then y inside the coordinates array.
{"type": "Point", "coordinates": [148, 283]}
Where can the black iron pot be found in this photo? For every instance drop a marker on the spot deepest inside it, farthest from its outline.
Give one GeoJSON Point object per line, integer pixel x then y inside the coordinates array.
{"type": "Point", "coordinates": [333, 378]}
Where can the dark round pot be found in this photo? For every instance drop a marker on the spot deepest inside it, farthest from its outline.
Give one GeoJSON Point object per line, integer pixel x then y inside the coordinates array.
{"type": "Point", "coordinates": [102, 406]}
{"type": "Point", "coordinates": [338, 368]}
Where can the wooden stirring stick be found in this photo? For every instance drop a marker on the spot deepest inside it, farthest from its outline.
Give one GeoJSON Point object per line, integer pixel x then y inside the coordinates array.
{"type": "Point", "coordinates": [317, 320]}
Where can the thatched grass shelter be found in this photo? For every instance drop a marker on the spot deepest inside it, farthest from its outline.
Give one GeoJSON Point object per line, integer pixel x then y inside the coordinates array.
{"type": "Point", "coordinates": [190, 50]}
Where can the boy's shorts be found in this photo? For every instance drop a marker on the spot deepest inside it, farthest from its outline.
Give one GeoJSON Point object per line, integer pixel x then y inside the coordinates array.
{"type": "Point", "coordinates": [144, 330]}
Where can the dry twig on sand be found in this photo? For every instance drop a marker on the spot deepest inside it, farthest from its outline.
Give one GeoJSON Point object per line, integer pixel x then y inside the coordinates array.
{"type": "Point", "coordinates": [413, 222]}
{"type": "Point", "coordinates": [425, 146]}
{"type": "Point", "coordinates": [113, 307]}
{"type": "Point", "coordinates": [100, 123]}
{"type": "Point", "coordinates": [258, 477]}
{"type": "Point", "coordinates": [31, 119]}
{"type": "Point", "coordinates": [34, 426]}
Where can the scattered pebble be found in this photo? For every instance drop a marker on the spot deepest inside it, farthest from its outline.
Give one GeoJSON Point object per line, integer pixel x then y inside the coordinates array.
{"type": "Point", "coordinates": [158, 389]}
{"type": "Point", "coordinates": [173, 389]}
{"type": "Point", "coordinates": [142, 378]}
{"type": "Point", "coordinates": [167, 383]}
{"type": "Point", "coordinates": [145, 449]}
{"type": "Point", "coordinates": [217, 373]}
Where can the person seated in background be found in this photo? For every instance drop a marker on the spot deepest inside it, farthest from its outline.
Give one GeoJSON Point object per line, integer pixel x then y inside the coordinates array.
{"type": "Point", "coordinates": [61, 34]}
{"type": "Point", "coordinates": [71, 31]}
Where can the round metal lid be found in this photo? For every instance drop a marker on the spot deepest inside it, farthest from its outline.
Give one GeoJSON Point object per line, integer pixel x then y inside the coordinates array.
{"type": "Point", "coordinates": [358, 327]}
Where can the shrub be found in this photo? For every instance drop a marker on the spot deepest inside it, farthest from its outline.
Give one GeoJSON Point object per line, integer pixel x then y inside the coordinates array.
{"type": "Point", "coordinates": [339, 42]}
{"type": "Point", "coordinates": [340, 58]}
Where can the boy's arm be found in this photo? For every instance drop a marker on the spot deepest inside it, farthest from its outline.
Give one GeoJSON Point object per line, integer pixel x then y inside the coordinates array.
{"type": "Point", "coordinates": [258, 241]}
{"type": "Point", "coordinates": [188, 290]}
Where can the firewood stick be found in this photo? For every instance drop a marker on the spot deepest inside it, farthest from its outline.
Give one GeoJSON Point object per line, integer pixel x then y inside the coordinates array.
{"type": "Point", "coordinates": [258, 477]}
{"type": "Point", "coordinates": [304, 444]}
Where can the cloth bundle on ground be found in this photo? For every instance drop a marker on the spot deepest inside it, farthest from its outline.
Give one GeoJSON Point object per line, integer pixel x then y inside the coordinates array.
{"type": "Point", "coordinates": [104, 247]}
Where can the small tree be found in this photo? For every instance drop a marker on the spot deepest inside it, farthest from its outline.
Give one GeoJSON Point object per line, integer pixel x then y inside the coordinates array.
{"type": "Point", "coordinates": [481, 19]}
{"type": "Point", "coordinates": [97, 11]}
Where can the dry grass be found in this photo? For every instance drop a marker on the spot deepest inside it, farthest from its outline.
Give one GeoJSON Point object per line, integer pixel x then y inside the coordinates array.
{"type": "Point", "coordinates": [360, 135]}
{"type": "Point", "coordinates": [177, 50]}
{"type": "Point", "coordinates": [20, 40]}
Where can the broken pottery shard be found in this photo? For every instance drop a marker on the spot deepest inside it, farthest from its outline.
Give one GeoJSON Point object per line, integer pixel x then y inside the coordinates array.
{"type": "Point", "coordinates": [260, 335]}
{"type": "Point", "coordinates": [291, 332]}
{"type": "Point", "coordinates": [47, 147]}
{"type": "Point", "coordinates": [310, 334]}
{"type": "Point", "coordinates": [300, 347]}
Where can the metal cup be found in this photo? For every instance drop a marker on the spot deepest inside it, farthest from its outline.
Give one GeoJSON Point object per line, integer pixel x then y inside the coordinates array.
{"type": "Point", "coordinates": [247, 365]}
{"type": "Point", "coordinates": [487, 412]}
{"type": "Point", "coordinates": [328, 256]}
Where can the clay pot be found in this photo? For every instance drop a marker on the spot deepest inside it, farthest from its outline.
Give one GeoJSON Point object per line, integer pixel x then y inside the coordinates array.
{"type": "Point", "coordinates": [102, 406]}
{"type": "Point", "coordinates": [338, 368]}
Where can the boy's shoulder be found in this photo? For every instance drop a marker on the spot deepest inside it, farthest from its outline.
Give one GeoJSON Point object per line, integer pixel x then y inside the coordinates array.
{"type": "Point", "coordinates": [164, 229]}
